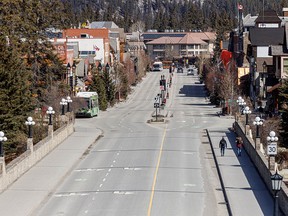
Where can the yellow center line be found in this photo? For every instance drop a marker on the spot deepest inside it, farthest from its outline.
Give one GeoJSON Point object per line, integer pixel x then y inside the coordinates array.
{"type": "Point", "coordinates": [156, 173]}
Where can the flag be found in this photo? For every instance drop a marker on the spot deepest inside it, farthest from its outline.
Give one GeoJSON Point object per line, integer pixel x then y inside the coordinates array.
{"type": "Point", "coordinates": [96, 47]}
{"type": "Point", "coordinates": [240, 7]}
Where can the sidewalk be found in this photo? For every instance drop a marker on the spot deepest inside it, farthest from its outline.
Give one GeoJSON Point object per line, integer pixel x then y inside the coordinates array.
{"type": "Point", "coordinates": [246, 192]}
{"type": "Point", "coordinates": [27, 193]}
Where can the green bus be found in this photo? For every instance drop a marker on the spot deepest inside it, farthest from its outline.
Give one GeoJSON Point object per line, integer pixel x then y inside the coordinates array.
{"type": "Point", "coordinates": [86, 104]}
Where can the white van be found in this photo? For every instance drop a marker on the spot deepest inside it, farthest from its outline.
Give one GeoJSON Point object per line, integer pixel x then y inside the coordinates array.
{"type": "Point", "coordinates": [157, 66]}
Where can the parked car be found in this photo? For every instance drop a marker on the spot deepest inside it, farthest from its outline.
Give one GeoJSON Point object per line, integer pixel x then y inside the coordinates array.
{"type": "Point", "coordinates": [190, 71]}
{"type": "Point", "coordinates": [179, 70]}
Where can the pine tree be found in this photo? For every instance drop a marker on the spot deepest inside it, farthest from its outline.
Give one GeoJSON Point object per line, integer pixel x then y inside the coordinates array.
{"type": "Point", "coordinates": [36, 17]}
{"type": "Point", "coordinates": [109, 87]}
{"type": "Point", "coordinates": [16, 100]}
{"type": "Point", "coordinates": [98, 85]}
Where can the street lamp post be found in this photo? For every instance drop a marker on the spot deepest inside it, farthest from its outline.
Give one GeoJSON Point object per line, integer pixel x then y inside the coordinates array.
{"type": "Point", "coordinates": [74, 73]}
{"type": "Point", "coordinates": [264, 75]}
{"type": "Point", "coordinates": [258, 122]}
{"type": "Point", "coordinates": [71, 82]}
{"type": "Point", "coordinates": [68, 100]}
{"type": "Point", "coordinates": [276, 181]}
{"type": "Point", "coordinates": [68, 67]}
{"type": "Point", "coordinates": [246, 111]}
{"type": "Point", "coordinates": [107, 67]}
{"type": "Point", "coordinates": [271, 148]}
{"type": "Point", "coordinates": [63, 103]}
{"type": "Point", "coordinates": [241, 103]}
{"type": "Point", "coordinates": [50, 112]}
{"type": "Point", "coordinates": [99, 67]}
{"type": "Point", "coordinates": [30, 122]}
{"type": "Point", "coordinates": [2, 139]}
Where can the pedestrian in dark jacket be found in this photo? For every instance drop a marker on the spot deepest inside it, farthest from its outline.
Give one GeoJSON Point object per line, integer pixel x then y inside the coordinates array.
{"type": "Point", "coordinates": [222, 146]}
{"type": "Point", "coordinates": [239, 144]}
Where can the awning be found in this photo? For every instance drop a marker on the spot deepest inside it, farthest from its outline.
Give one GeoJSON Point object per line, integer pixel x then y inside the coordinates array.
{"type": "Point", "coordinates": [274, 88]}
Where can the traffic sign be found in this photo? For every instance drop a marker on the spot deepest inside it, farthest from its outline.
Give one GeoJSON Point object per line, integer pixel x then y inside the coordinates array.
{"type": "Point", "coordinates": [156, 105]}
{"type": "Point", "coordinates": [272, 148]}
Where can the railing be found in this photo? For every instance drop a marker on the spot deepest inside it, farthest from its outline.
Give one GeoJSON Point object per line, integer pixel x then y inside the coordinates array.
{"type": "Point", "coordinates": [261, 164]}
{"type": "Point", "coordinates": [35, 153]}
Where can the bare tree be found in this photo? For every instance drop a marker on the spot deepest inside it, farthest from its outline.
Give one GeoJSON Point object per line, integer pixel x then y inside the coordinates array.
{"type": "Point", "coordinates": [139, 26]}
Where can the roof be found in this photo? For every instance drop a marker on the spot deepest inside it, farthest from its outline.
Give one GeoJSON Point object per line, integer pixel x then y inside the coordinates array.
{"type": "Point", "coordinates": [86, 94]}
{"type": "Point", "coordinates": [103, 24]}
{"type": "Point", "coordinates": [274, 87]}
{"type": "Point", "coordinates": [278, 50]}
{"type": "Point", "coordinates": [266, 36]}
{"type": "Point", "coordinates": [249, 20]}
{"type": "Point", "coordinates": [191, 38]}
{"type": "Point", "coordinates": [165, 40]}
{"type": "Point", "coordinates": [269, 16]}
{"type": "Point", "coordinates": [155, 35]}
{"type": "Point", "coordinates": [136, 45]}
{"type": "Point", "coordinates": [185, 38]}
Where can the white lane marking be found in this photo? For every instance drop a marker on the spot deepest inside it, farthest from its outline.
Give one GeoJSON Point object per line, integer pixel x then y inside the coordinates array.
{"type": "Point", "coordinates": [109, 170]}
{"type": "Point", "coordinates": [100, 150]}
{"type": "Point", "coordinates": [88, 170]}
{"type": "Point", "coordinates": [131, 168]}
{"type": "Point", "coordinates": [118, 153]}
{"type": "Point", "coordinates": [86, 212]}
{"type": "Point", "coordinates": [100, 185]}
{"type": "Point", "coordinates": [104, 179]}
{"type": "Point", "coordinates": [107, 174]}
{"type": "Point", "coordinates": [188, 153]}
{"type": "Point", "coordinates": [80, 180]}
{"type": "Point", "coordinates": [123, 192]}
{"type": "Point", "coordinates": [189, 185]}
{"type": "Point", "coordinates": [70, 194]}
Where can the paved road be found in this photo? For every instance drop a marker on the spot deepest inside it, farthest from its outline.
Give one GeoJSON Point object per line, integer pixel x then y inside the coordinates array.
{"type": "Point", "coordinates": [136, 168]}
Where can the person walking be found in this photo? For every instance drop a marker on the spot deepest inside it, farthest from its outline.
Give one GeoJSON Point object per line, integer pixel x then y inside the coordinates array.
{"type": "Point", "coordinates": [239, 144]}
{"type": "Point", "coordinates": [222, 146]}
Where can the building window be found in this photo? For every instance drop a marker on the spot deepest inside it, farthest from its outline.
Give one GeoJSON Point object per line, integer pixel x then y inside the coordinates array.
{"type": "Point", "coordinates": [182, 46]}
{"type": "Point", "coordinates": [285, 66]}
{"type": "Point", "coordinates": [203, 47]}
{"type": "Point", "coordinates": [159, 46]}
{"type": "Point", "coordinates": [191, 46]}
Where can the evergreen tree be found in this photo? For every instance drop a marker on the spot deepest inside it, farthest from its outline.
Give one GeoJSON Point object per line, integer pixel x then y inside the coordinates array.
{"type": "Point", "coordinates": [147, 16]}
{"type": "Point", "coordinates": [36, 19]}
{"type": "Point", "coordinates": [15, 98]}
{"type": "Point", "coordinates": [174, 20]}
{"type": "Point", "coordinates": [284, 112]}
{"type": "Point", "coordinates": [98, 85]}
{"type": "Point", "coordinates": [109, 87]}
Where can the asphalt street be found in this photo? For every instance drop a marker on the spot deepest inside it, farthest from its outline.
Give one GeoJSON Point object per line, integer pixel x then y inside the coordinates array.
{"type": "Point", "coordinates": [118, 164]}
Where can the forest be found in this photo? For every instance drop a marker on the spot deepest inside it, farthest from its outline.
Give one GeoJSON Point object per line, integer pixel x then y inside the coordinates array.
{"type": "Point", "coordinates": [169, 14]}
